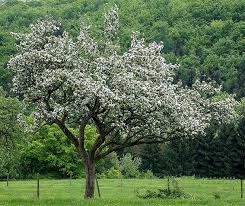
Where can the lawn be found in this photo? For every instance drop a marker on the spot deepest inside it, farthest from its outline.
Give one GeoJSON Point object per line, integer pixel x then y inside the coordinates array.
{"type": "Point", "coordinates": [120, 192]}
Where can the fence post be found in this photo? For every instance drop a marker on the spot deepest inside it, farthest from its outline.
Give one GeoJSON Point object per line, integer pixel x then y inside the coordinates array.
{"type": "Point", "coordinates": [241, 188]}
{"type": "Point", "coordinates": [7, 179]}
{"type": "Point", "coordinates": [38, 187]}
{"type": "Point", "coordinates": [70, 178]}
{"type": "Point", "coordinates": [97, 184]}
{"type": "Point", "coordinates": [168, 185]}
{"type": "Point", "coordinates": [121, 183]}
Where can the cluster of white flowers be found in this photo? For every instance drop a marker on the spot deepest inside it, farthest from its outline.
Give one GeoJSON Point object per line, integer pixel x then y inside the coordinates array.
{"type": "Point", "coordinates": [132, 93]}
{"type": "Point", "coordinates": [111, 23]}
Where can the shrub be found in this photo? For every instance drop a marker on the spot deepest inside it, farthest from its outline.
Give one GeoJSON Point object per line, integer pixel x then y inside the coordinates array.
{"type": "Point", "coordinates": [147, 175]}
{"type": "Point", "coordinates": [111, 173]}
{"type": "Point", "coordinates": [107, 163]}
{"type": "Point", "coordinates": [174, 192]}
{"type": "Point", "coordinates": [216, 195]}
{"type": "Point", "coordinates": [129, 166]}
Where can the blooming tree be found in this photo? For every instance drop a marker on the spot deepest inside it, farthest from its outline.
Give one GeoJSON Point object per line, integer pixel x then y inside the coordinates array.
{"type": "Point", "coordinates": [130, 96]}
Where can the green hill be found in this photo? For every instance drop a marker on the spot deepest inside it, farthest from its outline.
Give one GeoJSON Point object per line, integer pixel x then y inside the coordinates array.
{"type": "Point", "coordinates": [205, 37]}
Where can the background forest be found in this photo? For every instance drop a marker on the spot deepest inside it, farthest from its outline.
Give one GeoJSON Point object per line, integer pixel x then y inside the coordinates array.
{"type": "Point", "coordinates": [205, 37]}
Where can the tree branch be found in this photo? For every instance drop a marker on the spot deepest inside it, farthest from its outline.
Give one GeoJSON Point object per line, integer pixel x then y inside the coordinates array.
{"type": "Point", "coordinates": [103, 134]}
{"type": "Point", "coordinates": [67, 132]}
{"type": "Point", "coordinates": [82, 138]}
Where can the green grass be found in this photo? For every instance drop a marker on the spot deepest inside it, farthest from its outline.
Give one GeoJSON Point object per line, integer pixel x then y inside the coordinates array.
{"type": "Point", "coordinates": [120, 193]}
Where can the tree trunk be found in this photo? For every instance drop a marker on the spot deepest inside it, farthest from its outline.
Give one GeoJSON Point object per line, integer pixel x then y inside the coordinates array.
{"type": "Point", "coordinates": [90, 179]}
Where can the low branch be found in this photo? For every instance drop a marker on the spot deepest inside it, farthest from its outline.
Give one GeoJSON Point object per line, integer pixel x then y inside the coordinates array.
{"type": "Point", "coordinates": [67, 132]}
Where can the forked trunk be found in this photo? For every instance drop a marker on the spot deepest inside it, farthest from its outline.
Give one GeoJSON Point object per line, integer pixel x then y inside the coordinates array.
{"type": "Point", "coordinates": [90, 179]}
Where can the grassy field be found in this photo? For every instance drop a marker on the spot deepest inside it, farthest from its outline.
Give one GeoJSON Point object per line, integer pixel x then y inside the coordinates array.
{"type": "Point", "coordinates": [120, 192]}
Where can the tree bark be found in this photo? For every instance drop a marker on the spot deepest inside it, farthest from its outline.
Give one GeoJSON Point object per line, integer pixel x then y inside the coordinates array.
{"type": "Point", "coordinates": [90, 179]}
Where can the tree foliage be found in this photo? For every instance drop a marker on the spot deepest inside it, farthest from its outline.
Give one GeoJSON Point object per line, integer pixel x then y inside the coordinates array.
{"type": "Point", "coordinates": [49, 153]}
{"type": "Point", "coordinates": [130, 165]}
{"type": "Point", "coordinates": [9, 110]}
{"type": "Point", "coordinates": [10, 134]}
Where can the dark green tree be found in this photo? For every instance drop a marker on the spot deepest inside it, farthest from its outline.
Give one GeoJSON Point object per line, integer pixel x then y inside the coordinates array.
{"type": "Point", "coordinates": [152, 159]}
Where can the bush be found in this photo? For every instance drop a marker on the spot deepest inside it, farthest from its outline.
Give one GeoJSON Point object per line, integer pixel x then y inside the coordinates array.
{"type": "Point", "coordinates": [112, 173]}
{"type": "Point", "coordinates": [148, 175]}
{"type": "Point", "coordinates": [216, 195]}
{"type": "Point", "coordinates": [164, 193]}
{"type": "Point", "coordinates": [174, 192]}
{"type": "Point", "coordinates": [110, 161]}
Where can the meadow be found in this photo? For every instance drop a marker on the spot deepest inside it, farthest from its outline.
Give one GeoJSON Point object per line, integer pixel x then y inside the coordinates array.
{"type": "Point", "coordinates": [120, 192]}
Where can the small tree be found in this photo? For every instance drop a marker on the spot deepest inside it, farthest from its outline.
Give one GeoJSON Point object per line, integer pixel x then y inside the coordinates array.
{"type": "Point", "coordinates": [130, 97]}
{"type": "Point", "coordinates": [9, 128]}
{"type": "Point", "coordinates": [49, 152]}
{"type": "Point", "coordinates": [10, 133]}
{"type": "Point", "coordinates": [152, 156]}
{"type": "Point", "coordinates": [129, 166]}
